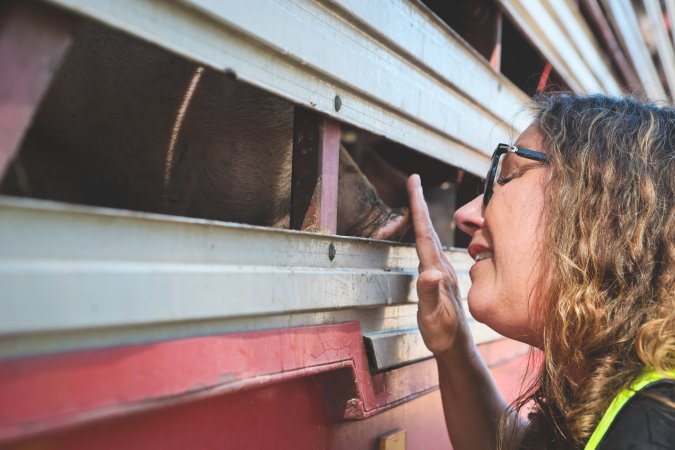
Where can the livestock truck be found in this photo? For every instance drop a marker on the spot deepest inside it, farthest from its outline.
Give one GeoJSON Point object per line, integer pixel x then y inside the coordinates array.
{"type": "Point", "coordinates": [133, 324]}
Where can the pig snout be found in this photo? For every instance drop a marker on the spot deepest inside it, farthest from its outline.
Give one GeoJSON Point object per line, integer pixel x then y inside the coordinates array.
{"type": "Point", "coordinates": [361, 212]}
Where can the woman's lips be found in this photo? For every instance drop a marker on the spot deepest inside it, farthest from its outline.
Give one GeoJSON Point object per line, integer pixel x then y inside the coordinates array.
{"type": "Point", "coordinates": [479, 252]}
{"type": "Point", "coordinates": [485, 254]}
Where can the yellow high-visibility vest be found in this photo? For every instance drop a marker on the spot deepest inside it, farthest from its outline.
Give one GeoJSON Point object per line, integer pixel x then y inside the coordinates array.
{"type": "Point", "coordinates": [646, 378]}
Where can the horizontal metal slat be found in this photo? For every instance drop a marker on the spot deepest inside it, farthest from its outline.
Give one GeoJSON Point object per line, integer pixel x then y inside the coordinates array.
{"type": "Point", "coordinates": [428, 42]}
{"type": "Point", "coordinates": [389, 348]}
{"type": "Point", "coordinates": [622, 16]}
{"type": "Point", "coordinates": [309, 52]}
{"type": "Point", "coordinates": [556, 33]}
{"type": "Point", "coordinates": [74, 277]}
{"type": "Point", "coordinates": [582, 37]}
{"type": "Point", "coordinates": [664, 45]}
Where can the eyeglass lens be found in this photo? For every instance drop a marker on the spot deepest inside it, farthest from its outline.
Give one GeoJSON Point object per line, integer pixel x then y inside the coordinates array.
{"type": "Point", "coordinates": [497, 175]}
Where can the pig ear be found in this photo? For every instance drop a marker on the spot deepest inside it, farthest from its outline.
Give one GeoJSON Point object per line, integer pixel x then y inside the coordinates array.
{"type": "Point", "coordinates": [429, 248]}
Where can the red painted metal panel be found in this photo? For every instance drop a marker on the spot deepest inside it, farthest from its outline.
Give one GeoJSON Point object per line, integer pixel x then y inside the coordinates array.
{"type": "Point", "coordinates": [422, 419]}
{"type": "Point", "coordinates": [496, 55]}
{"type": "Point", "coordinates": [316, 154]}
{"type": "Point", "coordinates": [272, 389]}
{"type": "Point", "coordinates": [287, 415]}
{"type": "Point", "coordinates": [543, 78]}
{"type": "Point", "coordinates": [330, 164]}
{"type": "Point", "coordinates": [55, 391]}
{"type": "Point", "coordinates": [33, 39]}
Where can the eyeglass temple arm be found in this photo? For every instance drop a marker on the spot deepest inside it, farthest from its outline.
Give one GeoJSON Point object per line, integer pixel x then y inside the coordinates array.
{"type": "Point", "coordinates": [530, 154]}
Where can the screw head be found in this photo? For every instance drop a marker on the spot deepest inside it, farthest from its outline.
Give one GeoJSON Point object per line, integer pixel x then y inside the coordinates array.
{"type": "Point", "coordinates": [338, 103]}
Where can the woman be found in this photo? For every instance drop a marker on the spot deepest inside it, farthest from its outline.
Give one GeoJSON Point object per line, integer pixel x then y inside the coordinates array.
{"type": "Point", "coordinates": [574, 242]}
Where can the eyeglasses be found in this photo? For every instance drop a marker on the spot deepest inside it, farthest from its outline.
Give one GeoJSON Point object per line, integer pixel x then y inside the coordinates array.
{"type": "Point", "coordinates": [495, 167]}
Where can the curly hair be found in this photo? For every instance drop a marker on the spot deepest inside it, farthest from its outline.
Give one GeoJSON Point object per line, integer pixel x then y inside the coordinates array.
{"type": "Point", "coordinates": [610, 292]}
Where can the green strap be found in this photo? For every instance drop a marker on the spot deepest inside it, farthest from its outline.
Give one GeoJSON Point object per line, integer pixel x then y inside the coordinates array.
{"type": "Point", "coordinates": [647, 377]}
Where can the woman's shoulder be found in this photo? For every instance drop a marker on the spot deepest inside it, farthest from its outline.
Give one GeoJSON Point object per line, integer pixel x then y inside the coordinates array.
{"type": "Point", "coordinates": [644, 422]}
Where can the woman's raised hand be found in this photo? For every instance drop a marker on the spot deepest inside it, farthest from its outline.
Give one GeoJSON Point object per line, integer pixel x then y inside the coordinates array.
{"type": "Point", "coordinates": [439, 315]}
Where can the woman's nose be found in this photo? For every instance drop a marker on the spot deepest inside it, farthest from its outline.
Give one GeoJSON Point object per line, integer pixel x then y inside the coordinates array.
{"type": "Point", "coordinates": [469, 217]}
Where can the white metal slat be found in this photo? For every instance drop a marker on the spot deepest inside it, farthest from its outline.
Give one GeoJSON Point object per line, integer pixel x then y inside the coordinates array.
{"type": "Point", "coordinates": [343, 52]}
{"type": "Point", "coordinates": [515, 11]}
{"type": "Point", "coordinates": [670, 6]}
{"type": "Point", "coordinates": [74, 277]}
{"type": "Point", "coordinates": [360, 63]}
{"type": "Point", "coordinates": [622, 16]}
{"type": "Point", "coordinates": [663, 43]}
{"type": "Point", "coordinates": [581, 36]}
{"type": "Point", "coordinates": [541, 28]}
{"type": "Point", "coordinates": [308, 53]}
{"type": "Point", "coordinates": [409, 25]}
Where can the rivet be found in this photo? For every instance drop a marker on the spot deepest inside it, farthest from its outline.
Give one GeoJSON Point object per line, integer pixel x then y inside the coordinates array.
{"type": "Point", "coordinates": [338, 103]}
{"type": "Point", "coordinates": [331, 252]}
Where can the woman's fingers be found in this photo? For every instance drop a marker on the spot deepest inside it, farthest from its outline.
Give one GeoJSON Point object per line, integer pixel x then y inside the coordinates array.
{"type": "Point", "coordinates": [429, 249]}
{"type": "Point", "coordinates": [437, 313]}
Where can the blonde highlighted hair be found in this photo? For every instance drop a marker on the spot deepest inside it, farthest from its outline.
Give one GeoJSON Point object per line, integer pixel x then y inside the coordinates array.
{"type": "Point", "coordinates": [608, 302]}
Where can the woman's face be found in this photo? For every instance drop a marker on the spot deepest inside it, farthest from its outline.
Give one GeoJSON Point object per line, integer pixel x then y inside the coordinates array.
{"type": "Point", "coordinates": [506, 239]}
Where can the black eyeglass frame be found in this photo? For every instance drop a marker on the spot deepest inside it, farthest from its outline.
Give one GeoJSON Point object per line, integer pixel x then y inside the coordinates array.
{"type": "Point", "coordinates": [499, 151]}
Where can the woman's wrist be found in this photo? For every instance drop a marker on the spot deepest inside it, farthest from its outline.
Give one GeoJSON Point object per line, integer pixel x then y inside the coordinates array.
{"type": "Point", "coordinates": [462, 349]}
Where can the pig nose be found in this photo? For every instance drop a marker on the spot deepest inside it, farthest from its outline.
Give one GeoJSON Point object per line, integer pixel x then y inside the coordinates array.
{"type": "Point", "coordinates": [469, 217]}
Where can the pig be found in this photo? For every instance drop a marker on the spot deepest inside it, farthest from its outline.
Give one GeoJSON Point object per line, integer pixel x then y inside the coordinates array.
{"type": "Point", "coordinates": [128, 125]}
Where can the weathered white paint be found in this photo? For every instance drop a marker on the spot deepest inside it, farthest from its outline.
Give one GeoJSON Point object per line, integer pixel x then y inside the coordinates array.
{"type": "Point", "coordinates": [622, 16]}
{"type": "Point", "coordinates": [388, 347]}
{"type": "Point", "coordinates": [670, 6]}
{"type": "Point", "coordinates": [555, 31]}
{"type": "Point", "coordinates": [664, 45]}
{"type": "Point", "coordinates": [418, 88]}
{"type": "Point", "coordinates": [74, 276]}
{"type": "Point", "coordinates": [573, 23]}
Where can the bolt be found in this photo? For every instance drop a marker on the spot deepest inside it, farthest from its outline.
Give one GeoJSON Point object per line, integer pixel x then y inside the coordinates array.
{"type": "Point", "coordinates": [331, 252]}
{"type": "Point", "coordinates": [354, 409]}
{"type": "Point", "coordinates": [338, 103]}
